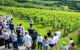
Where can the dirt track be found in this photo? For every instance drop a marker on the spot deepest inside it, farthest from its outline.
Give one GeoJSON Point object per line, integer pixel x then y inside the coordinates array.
{"type": "Point", "coordinates": [20, 48]}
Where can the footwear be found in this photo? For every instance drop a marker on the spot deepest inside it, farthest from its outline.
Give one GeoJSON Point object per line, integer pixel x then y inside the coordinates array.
{"type": "Point", "coordinates": [5, 46]}
{"type": "Point", "coordinates": [9, 47]}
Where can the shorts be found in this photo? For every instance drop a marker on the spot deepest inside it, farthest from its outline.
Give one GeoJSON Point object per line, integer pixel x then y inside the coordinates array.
{"type": "Point", "coordinates": [28, 45]}
{"type": "Point", "coordinates": [31, 24]}
{"type": "Point", "coordinates": [51, 45]}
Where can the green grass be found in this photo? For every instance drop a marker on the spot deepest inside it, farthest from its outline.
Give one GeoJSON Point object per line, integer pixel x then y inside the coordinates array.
{"type": "Point", "coordinates": [44, 30]}
{"type": "Point", "coordinates": [39, 28]}
{"type": "Point", "coordinates": [3, 13]}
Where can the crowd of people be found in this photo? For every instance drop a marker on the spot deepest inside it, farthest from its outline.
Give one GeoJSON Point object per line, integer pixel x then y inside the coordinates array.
{"type": "Point", "coordinates": [30, 39]}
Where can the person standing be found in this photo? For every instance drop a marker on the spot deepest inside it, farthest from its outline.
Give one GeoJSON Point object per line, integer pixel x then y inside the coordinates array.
{"type": "Point", "coordinates": [73, 47]}
{"type": "Point", "coordinates": [55, 40]}
{"type": "Point", "coordinates": [31, 30]}
{"type": "Point", "coordinates": [70, 42]}
{"type": "Point", "coordinates": [21, 28]}
{"type": "Point", "coordinates": [11, 25]}
{"type": "Point", "coordinates": [34, 38]}
{"type": "Point", "coordinates": [4, 23]}
{"type": "Point", "coordinates": [11, 16]}
{"type": "Point", "coordinates": [49, 33]}
{"type": "Point", "coordinates": [1, 28]}
{"type": "Point", "coordinates": [27, 41]}
{"type": "Point", "coordinates": [63, 47]}
{"type": "Point", "coordinates": [45, 43]}
{"type": "Point", "coordinates": [58, 33]}
{"type": "Point", "coordinates": [7, 18]}
{"type": "Point", "coordinates": [31, 22]}
{"type": "Point", "coordinates": [51, 42]}
{"type": "Point", "coordinates": [14, 40]}
{"type": "Point", "coordinates": [7, 27]}
{"type": "Point", "coordinates": [6, 37]}
{"type": "Point", "coordinates": [19, 31]}
{"type": "Point", "coordinates": [39, 40]}
{"type": "Point", "coordinates": [1, 25]}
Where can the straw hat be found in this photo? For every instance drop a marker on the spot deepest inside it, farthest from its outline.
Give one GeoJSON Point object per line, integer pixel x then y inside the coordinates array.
{"type": "Point", "coordinates": [4, 30]}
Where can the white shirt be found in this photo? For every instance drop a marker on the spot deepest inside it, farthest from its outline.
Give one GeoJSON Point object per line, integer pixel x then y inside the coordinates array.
{"type": "Point", "coordinates": [6, 35]}
{"type": "Point", "coordinates": [27, 40]}
{"type": "Point", "coordinates": [51, 40]}
{"type": "Point", "coordinates": [70, 42]}
{"type": "Point", "coordinates": [21, 28]}
{"type": "Point", "coordinates": [4, 24]}
{"type": "Point", "coordinates": [10, 17]}
{"type": "Point", "coordinates": [31, 21]}
{"type": "Point", "coordinates": [58, 33]}
{"type": "Point", "coordinates": [7, 28]}
{"type": "Point", "coordinates": [55, 39]}
{"type": "Point", "coordinates": [7, 18]}
{"type": "Point", "coordinates": [45, 42]}
{"type": "Point", "coordinates": [39, 39]}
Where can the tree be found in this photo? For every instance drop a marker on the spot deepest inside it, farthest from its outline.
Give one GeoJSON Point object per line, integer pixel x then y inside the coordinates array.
{"type": "Point", "coordinates": [8, 2]}
{"type": "Point", "coordinates": [21, 0]}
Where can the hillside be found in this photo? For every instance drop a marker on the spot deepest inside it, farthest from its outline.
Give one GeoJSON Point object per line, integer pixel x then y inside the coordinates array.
{"type": "Point", "coordinates": [51, 5]}
{"type": "Point", "coordinates": [42, 30]}
{"type": "Point", "coordinates": [68, 21]}
{"type": "Point", "coordinates": [62, 15]}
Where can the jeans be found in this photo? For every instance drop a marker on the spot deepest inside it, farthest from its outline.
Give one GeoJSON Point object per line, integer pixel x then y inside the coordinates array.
{"type": "Point", "coordinates": [15, 45]}
{"type": "Point", "coordinates": [45, 47]}
{"type": "Point", "coordinates": [2, 42]}
{"type": "Point", "coordinates": [40, 45]}
{"type": "Point", "coordinates": [7, 43]}
{"type": "Point", "coordinates": [34, 44]}
{"type": "Point", "coordinates": [20, 40]}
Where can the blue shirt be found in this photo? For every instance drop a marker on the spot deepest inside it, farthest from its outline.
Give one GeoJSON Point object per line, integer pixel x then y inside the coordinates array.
{"type": "Point", "coordinates": [63, 48]}
{"type": "Point", "coordinates": [1, 25]}
{"type": "Point", "coordinates": [34, 36]}
{"type": "Point", "coordinates": [11, 26]}
{"type": "Point", "coordinates": [13, 37]}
